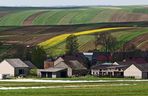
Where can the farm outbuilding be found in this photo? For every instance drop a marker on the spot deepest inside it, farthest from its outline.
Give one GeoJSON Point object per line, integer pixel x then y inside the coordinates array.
{"type": "Point", "coordinates": [14, 67]}
{"type": "Point", "coordinates": [75, 65]}
{"type": "Point", "coordinates": [139, 71]}
{"type": "Point", "coordinates": [52, 72]}
{"type": "Point", "coordinates": [108, 69]}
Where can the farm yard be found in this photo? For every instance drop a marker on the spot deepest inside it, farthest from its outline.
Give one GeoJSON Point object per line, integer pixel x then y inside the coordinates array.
{"type": "Point", "coordinates": [122, 88]}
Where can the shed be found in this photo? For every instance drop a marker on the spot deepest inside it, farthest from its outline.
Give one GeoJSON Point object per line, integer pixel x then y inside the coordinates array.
{"type": "Point", "coordinates": [14, 67]}
{"type": "Point", "coordinates": [139, 71]}
{"type": "Point", "coordinates": [52, 72]}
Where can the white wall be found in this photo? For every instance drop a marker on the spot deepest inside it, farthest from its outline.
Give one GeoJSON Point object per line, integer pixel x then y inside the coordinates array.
{"type": "Point", "coordinates": [133, 71]}
{"type": "Point", "coordinates": [6, 68]}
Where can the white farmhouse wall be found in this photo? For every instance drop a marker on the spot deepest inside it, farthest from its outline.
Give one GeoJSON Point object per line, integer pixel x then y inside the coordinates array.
{"type": "Point", "coordinates": [133, 71]}
{"type": "Point", "coordinates": [95, 72]}
{"type": "Point", "coordinates": [6, 68]}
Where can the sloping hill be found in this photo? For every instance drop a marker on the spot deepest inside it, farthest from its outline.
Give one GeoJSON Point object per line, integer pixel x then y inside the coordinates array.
{"type": "Point", "coordinates": [70, 16]}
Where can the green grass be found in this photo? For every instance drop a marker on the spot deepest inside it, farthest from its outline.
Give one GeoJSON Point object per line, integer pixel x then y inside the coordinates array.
{"type": "Point", "coordinates": [16, 18]}
{"type": "Point", "coordinates": [67, 16]}
{"type": "Point", "coordinates": [50, 18]}
{"type": "Point", "coordinates": [84, 89]}
{"type": "Point", "coordinates": [60, 48]}
{"type": "Point", "coordinates": [43, 18]}
{"type": "Point", "coordinates": [70, 16]}
{"type": "Point", "coordinates": [141, 10]}
{"type": "Point", "coordinates": [124, 37]}
{"type": "Point", "coordinates": [85, 16]}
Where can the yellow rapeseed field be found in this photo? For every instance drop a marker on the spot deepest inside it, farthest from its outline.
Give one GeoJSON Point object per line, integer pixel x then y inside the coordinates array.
{"type": "Point", "coordinates": [60, 38]}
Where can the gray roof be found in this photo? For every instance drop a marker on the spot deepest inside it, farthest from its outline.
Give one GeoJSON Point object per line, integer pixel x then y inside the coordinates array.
{"type": "Point", "coordinates": [30, 64]}
{"type": "Point", "coordinates": [52, 69]}
{"type": "Point", "coordinates": [74, 64]}
{"type": "Point", "coordinates": [16, 63]}
{"type": "Point", "coordinates": [142, 67]}
{"type": "Point", "coordinates": [102, 66]}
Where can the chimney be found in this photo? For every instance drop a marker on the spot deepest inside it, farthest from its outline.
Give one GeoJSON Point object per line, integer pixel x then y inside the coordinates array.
{"type": "Point", "coordinates": [48, 64]}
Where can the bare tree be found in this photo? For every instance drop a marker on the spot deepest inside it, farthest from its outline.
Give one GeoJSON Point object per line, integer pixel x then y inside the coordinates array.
{"type": "Point", "coordinates": [107, 40]}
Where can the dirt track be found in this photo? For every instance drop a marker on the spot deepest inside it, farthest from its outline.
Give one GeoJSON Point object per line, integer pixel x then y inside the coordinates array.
{"type": "Point", "coordinates": [128, 17]}
{"type": "Point", "coordinates": [139, 40]}
{"type": "Point", "coordinates": [2, 14]}
{"type": "Point", "coordinates": [36, 34]}
{"type": "Point", "coordinates": [30, 19]}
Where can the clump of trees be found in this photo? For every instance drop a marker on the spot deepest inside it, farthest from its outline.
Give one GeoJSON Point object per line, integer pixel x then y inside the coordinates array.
{"type": "Point", "coordinates": [107, 41]}
{"type": "Point", "coordinates": [38, 55]}
{"type": "Point", "coordinates": [72, 45]}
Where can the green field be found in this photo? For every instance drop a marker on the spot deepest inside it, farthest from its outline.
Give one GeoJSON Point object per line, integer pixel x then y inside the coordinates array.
{"type": "Point", "coordinates": [68, 16]}
{"type": "Point", "coordinates": [16, 18]}
{"type": "Point", "coordinates": [78, 89]}
{"type": "Point", "coordinates": [84, 45]}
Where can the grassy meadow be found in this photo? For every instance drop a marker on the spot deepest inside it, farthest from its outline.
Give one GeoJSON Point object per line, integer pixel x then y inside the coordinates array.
{"type": "Point", "coordinates": [77, 89]}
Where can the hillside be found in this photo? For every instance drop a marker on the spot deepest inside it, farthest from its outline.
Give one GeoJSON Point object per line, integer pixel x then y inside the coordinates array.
{"type": "Point", "coordinates": [70, 16]}
{"type": "Point", "coordinates": [48, 27]}
{"type": "Point", "coordinates": [34, 35]}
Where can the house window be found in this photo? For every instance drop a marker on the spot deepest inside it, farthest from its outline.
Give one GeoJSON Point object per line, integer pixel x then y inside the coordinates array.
{"type": "Point", "coordinates": [93, 73]}
{"type": "Point", "coordinates": [21, 71]}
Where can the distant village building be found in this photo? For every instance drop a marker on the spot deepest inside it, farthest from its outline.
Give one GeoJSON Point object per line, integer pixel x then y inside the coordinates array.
{"type": "Point", "coordinates": [52, 72]}
{"type": "Point", "coordinates": [31, 66]}
{"type": "Point", "coordinates": [108, 69]}
{"type": "Point", "coordinates": [121, 69]}
{"type": "Point", "coordinates": [14, 67]}
{"type": "Point", "coordinates": [65, 66]}
{"type": "Point", "coordinates": [101, 57]}
{"type": "Point", "coordinates": [88, 55]}
{"type": "Point", "coordinates": [139, 71]}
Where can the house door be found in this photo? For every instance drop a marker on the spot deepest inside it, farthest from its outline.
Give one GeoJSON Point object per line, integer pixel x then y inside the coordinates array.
{"type": "Point", "coordinates": [43, 74]}
{"type": "Point", "coordinates": [64, 74]}
{"type": "Point", "coordinates": [49, 74]}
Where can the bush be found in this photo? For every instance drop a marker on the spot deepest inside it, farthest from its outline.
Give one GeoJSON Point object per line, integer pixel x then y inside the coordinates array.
{"type": "Point", "coordinates": [33, 72]}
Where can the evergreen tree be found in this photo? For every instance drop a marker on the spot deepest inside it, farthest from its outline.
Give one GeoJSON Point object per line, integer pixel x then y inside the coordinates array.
{"type": "Point", "coordinates": [38, 56]}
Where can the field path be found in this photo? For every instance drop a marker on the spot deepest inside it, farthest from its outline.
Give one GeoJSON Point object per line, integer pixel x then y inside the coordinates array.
{"type": "Point", "coordinates": [140, 42]}
{"type": "Point", "coordinates": [128, 17]}
{"type": "Point", "coordinates": [29, 20]}
{"type": "Point", "coordinates": [70, 81]}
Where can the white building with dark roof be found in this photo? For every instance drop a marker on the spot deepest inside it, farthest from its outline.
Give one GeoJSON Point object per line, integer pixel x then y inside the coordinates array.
{"type": "Point", "coordinates": [139, 71]}
{"type": "Point", "coordinates": [14, 67]}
